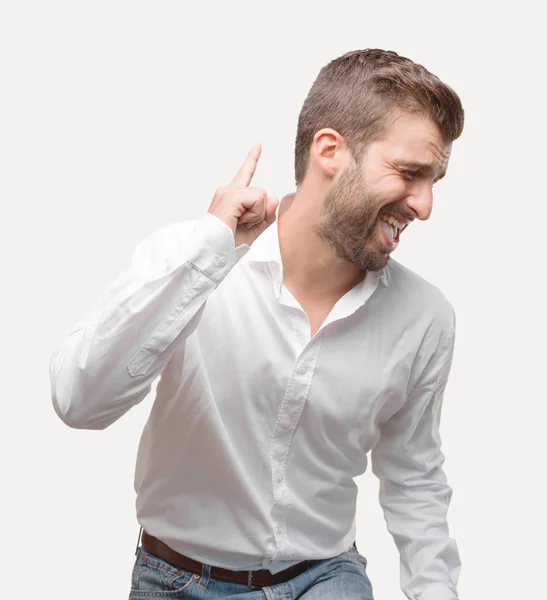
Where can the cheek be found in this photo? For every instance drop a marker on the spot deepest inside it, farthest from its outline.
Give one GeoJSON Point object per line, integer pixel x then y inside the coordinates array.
{"type": "Point", "coordinates": [391, 188]}
{"type": "Point", "coordinates": [397, 189]}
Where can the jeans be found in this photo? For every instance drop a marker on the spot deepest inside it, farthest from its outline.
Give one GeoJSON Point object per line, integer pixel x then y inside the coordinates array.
{"type": "Point", "coordinates": [340, 578]}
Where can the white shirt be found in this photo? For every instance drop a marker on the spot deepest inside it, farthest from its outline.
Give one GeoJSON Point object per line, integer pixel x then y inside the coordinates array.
{"type": "Point", "coordinates": [258, 430]}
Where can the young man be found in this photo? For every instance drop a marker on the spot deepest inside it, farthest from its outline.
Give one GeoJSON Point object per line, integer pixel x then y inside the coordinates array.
{"type": "Point", "coordinates": [286, 353]}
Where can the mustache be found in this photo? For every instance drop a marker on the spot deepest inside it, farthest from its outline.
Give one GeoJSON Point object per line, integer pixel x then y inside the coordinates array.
{"type": "Point", "coordinates": [395, 209]}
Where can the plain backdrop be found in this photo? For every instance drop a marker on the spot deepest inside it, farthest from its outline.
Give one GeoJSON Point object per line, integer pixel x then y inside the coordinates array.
{"type": "Point", "coordinates": [117, 118]}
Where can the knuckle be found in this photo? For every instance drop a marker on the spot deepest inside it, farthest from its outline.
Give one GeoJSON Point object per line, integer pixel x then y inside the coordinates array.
{"type": "Point", "coordinates": [260, 193]}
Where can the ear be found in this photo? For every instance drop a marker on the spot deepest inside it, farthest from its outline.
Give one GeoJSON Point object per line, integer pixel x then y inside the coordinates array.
{"type": "Point", "coordinates": [329, 152]}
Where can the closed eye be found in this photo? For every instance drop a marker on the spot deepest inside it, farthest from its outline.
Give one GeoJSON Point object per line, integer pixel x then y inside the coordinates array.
{"type": "Point", "coordinates": [411, 175]}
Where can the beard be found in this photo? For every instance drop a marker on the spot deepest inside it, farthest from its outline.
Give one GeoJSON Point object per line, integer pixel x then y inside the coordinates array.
{"type": "Point", "coordinates": [350, 216]}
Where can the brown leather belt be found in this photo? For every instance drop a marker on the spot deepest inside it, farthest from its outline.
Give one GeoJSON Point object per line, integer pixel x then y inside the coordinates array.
{"type": "Point", "coordinates": [260, 578]}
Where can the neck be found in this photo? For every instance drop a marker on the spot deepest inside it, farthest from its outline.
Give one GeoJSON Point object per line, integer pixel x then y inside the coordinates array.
{"type": "Point", "coordinates": [310, 266]}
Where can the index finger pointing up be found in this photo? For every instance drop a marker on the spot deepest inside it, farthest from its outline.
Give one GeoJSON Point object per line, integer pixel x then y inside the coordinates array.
{"type": "Point", "coordinates": [248, 168]}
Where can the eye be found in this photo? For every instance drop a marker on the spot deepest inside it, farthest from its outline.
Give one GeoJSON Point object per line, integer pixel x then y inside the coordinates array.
{"type": "Point", "coordinates": [409, 174]}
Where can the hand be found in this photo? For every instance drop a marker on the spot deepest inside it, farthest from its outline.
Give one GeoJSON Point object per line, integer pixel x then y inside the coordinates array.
{"type": "Point", "coordinates": [247, 211]}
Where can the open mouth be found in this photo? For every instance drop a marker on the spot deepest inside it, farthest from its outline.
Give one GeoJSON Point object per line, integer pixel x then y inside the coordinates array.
{"type": "Point", "coordinates": [392, 228]}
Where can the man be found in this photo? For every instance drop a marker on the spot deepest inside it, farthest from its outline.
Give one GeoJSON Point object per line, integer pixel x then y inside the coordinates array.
{"type": "Point", "coordinates": [286, 354]}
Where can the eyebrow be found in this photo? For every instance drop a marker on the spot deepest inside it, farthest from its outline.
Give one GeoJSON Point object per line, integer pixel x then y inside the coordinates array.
{"type": "Point", "coordinates": [420, 166]}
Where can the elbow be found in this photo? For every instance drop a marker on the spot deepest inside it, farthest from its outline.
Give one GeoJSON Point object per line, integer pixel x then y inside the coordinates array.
{"type": "Point", "coordinates": [78, 406]}
{"type": "Point", "coordinates": [75, 404]}
{"type": "Point", "coordinates": [81, 403]}
{"type": "Point", "coordinates": [72, 412]}
{"type": "Point", "coordinates": [93, 408]}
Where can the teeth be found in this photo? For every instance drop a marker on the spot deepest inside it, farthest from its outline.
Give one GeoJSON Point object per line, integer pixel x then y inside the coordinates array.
{"type": "Point", "coordinates": [396, 225]}
{"type": "Point", "coordinates": [392, 221]}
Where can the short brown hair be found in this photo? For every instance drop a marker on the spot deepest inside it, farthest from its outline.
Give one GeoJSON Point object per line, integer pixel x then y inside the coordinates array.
{"type": "Point", "coordinates": [356, 93]}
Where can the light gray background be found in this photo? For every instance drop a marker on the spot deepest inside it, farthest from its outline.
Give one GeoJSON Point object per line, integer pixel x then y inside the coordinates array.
{"type": "Point", "coordinates": [120, 117]}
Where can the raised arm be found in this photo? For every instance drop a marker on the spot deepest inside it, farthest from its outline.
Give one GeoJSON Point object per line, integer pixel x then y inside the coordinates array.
{"type": "Point", "coordinates": [109, 360]}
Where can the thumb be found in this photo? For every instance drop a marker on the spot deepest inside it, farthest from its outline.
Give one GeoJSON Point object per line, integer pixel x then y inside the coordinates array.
{"type": "Point", "coordinates": [271, 207]}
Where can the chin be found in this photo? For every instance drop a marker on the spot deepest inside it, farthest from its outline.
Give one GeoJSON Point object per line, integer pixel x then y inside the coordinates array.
{"type": "Point", "coordinates": [369, 260]}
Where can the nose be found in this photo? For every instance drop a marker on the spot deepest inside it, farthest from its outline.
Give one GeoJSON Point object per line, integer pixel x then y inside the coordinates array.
{"type": "Point", "coordinates": [420, 201]}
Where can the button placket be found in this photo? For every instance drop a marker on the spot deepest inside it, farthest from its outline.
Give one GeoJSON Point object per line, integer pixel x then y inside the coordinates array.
{"type": "Point", "coordinates": [296, 395]}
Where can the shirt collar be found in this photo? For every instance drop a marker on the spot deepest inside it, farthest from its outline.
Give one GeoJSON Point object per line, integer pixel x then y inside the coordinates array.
{"type": "Point", "coordinates": [265, 249]}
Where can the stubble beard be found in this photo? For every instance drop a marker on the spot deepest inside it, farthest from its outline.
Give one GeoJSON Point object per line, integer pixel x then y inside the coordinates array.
{"type": "Point", "coordinates": [350, 216]}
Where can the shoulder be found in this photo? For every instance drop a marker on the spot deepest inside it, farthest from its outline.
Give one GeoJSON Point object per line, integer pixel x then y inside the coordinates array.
{"type": "Point", "coordinates": [419, 298]}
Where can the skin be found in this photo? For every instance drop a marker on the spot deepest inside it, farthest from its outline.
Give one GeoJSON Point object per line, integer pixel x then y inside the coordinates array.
{"type": "Point", "coordinates": [329, 230]}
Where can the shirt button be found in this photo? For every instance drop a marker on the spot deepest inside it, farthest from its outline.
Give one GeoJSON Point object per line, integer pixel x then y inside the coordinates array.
{"type": "Point", "coordinates": [221, 261]}
{"type": "Point", "coordinates": [279, 478]}
{"type": "Point", "coordinates": [286, 424]}
{"type": "Point", "coordinates": [303, 369]}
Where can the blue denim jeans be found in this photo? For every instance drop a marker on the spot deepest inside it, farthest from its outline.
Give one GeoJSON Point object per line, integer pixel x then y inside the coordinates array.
{"type": "Point", "coordinates": [341, 578]}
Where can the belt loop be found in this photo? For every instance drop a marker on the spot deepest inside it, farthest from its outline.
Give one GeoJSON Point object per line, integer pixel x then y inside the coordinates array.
{"type": "Point", "coordinates": [205, 576]}
{"type": "Point", "coordinates": [250, 579]}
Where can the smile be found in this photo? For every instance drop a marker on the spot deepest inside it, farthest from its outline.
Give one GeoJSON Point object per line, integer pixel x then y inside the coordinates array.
{"type": "Point", "coordinates": [396, 225]}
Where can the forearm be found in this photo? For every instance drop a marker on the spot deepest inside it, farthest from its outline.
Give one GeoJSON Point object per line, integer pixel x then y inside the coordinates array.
{"type": "Point", "coordinates": [416, 517]}
{"type": "Point", "coordinates": [109, 361]}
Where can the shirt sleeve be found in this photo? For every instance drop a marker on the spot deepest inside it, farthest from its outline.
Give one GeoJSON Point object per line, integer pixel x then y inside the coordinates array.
{"type": "Point", "coordinates": [414, 493]}
{"type": "Point", "coordinates": [109, 360]}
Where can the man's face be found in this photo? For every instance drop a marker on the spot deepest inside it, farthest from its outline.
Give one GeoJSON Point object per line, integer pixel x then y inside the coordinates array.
{"type": "Point", "coordinates": [369, 205]}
